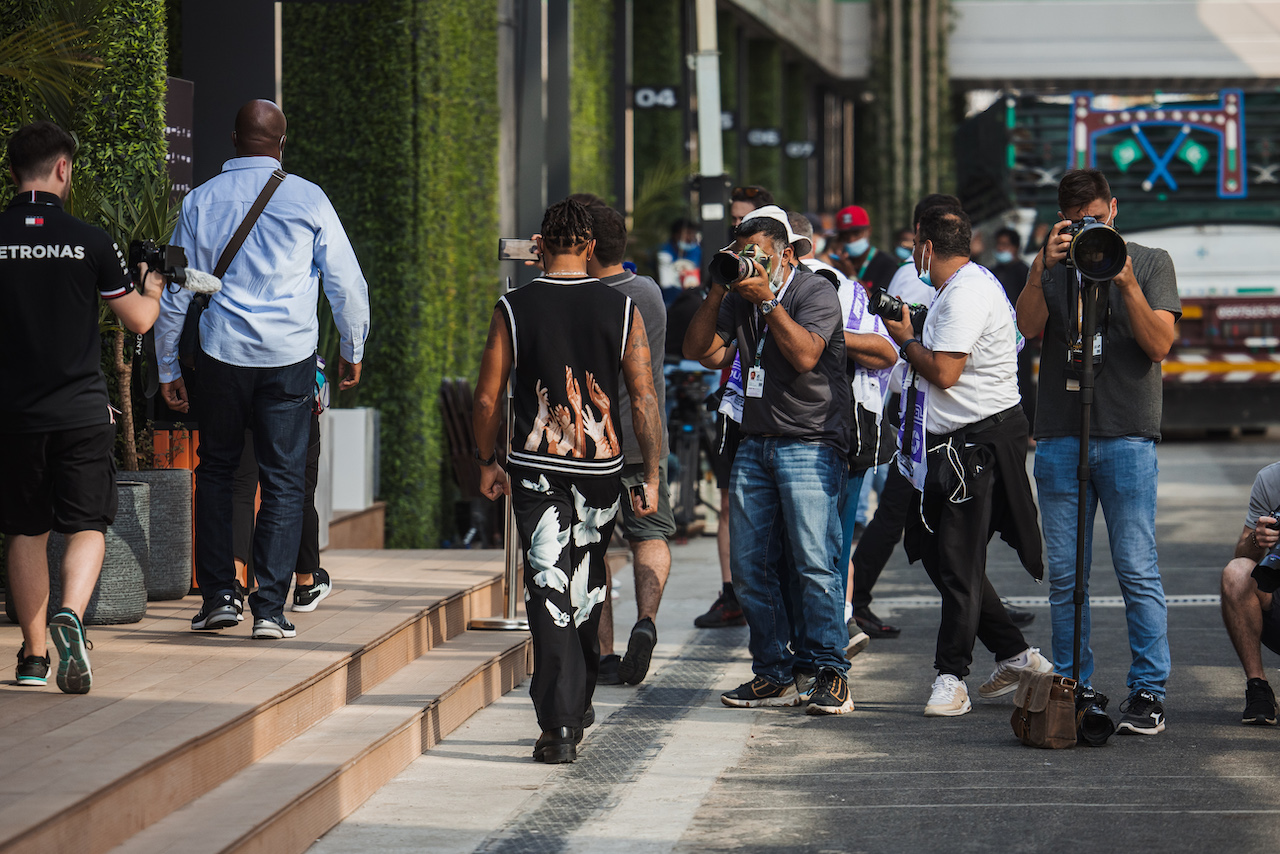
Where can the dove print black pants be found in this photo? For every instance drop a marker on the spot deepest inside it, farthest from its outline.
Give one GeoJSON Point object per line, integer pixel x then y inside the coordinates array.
{"type": "Point", "coordinates": [565, 524]}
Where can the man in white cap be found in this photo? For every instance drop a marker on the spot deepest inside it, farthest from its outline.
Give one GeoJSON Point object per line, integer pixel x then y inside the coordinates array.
{"type": "Point", "coordinates": [790, 470]}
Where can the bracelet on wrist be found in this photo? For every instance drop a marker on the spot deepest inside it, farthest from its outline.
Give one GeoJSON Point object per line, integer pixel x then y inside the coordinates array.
{"type": "Point", "coordinates": [902, 351]}
{"type": "Point", "coordinates": [486, 461]}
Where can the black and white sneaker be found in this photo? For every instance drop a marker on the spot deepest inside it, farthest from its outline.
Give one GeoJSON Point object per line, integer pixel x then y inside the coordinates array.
{"type": "Point", "coordinates": [32, 669]}
{"type": "Point", "coordinates": [74, 673]}
{"type": "Point", "coordinates": [219, 613]}
{"type": "Point", "coordinates": [1142, 713]}
{"type": "Point", "coordinates": [241, 595]}
{"type": "Point", "coordinates": [761, 692]}
{"type": "Point", "coordinates": [307, 596]}
{"type": "Point", "coordinates": [273, 628]}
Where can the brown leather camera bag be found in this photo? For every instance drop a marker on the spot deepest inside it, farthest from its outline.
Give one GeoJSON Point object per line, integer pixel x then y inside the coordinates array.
{"type": "Point", "coordinates": [1044, 710]}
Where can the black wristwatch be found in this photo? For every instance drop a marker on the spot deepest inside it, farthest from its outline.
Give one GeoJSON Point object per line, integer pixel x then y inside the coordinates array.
{"type": "Point", "coordinates": [902, 351]}
{"type": "Point", "coordinates": [493, 458]}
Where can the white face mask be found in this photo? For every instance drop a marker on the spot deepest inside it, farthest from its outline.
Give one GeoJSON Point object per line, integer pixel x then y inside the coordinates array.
{"type": "Point", "coordinates": [857, 248]}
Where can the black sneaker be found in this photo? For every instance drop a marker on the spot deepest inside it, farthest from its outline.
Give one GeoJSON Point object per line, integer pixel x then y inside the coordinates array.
{"type": "Point", "coordinates": [635, 664]}
{"type": "Point", "coordinates": [34, 669]}
{"type": "Point", "coordinates": [274, 628]}
{"type": "Point", "coordinates": [307, 596]}
{"type": "Point", "coordinates": [1259, 703]}
{"type": "Point", "coordinates": [1142, 714]}
{"type": "Point", "coordinates": [1017, 616]}
{"type": "Point", "coordinates": [725, 612]}
{"type": "Point", "coordinates": [873, 625]}
{"type": "Point", "coordinates": [74, 674]}
{"type": "Point", "coordinates": [831, 694]}
{"type": "Point", "coordinates": [219, 613]}
{"type": "Point", "coordinates": [240, 594]}
{"type": "Point", "coordinates": [608, 672]}
{"type": "Point", "coordinates": [588, 718]}
{"type": "Point", "coordinates": [761, 692]}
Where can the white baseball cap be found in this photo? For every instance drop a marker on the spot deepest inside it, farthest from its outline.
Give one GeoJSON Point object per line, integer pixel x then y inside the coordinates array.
{"type": "Point", "coordinates": [777, 214]}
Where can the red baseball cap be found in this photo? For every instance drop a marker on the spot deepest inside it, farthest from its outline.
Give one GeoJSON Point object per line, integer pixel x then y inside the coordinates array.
{"type": "Point", "coordinates": [852, 217]}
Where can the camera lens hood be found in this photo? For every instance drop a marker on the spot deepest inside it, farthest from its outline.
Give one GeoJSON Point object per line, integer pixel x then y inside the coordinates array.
{"type": "Point", "coordinates": [1098, 251]}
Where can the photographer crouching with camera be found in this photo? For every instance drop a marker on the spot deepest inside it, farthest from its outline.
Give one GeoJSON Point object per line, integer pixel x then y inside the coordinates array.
{"type": "Point", "coordinates": [1134, 329]}
{"type": "Point", "coordinates": [789, 470]}
{"type": "Point", "coordinates": [57, 470]}
{"type": "Point", "coordinates": [962, 444]}
{"type": "Point", "coordinates": [1249, 603]}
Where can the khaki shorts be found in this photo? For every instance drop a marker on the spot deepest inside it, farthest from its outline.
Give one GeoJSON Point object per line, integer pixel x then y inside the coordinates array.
{"type": "Point", "coordinates": [659, 526]}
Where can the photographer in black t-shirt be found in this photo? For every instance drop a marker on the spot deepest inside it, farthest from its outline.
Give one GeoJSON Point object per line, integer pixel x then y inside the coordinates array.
{"type": "Point", "coordinates": [57, 429]}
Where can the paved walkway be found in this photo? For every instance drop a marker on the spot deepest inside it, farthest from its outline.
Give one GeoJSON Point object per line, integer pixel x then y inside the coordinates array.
{"type": "Point", "coordinates": [668, 768]}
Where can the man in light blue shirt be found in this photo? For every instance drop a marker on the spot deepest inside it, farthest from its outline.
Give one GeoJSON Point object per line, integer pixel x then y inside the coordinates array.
{"type": "Point", "coordinates": [255, 367]}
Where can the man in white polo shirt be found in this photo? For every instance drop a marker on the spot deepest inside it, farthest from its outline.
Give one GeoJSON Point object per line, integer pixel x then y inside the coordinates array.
{"type": "Point", "coordinates": [961, 445]}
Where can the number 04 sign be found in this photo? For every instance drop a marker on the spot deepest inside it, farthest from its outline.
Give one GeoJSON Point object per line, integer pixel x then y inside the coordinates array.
{"type": "Point", "coordinates": [655, 97]}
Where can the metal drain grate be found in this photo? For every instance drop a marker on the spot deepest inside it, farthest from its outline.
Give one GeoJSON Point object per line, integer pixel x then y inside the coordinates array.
{"type": "Point", "coordinates": [619, 749]}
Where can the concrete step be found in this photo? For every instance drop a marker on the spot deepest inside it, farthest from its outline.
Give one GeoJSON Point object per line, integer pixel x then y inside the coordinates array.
{"type": "Point", "coordinates": [289, 798]}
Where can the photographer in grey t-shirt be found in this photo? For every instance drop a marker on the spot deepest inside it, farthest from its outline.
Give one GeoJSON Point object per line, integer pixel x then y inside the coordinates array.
{"type": "Point", "coordinates": [1136, 314]}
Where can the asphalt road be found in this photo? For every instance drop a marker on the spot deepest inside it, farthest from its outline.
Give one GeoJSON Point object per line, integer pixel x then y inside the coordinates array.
{"type": "Point", "coordinates": [669, 768]}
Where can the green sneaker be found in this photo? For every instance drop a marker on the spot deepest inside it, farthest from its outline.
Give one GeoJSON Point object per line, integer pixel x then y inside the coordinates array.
{"type": "Point", "coordinates": [74, 674]}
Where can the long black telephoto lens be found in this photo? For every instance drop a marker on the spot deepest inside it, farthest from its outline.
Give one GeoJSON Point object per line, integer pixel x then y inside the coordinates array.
{"type": "Point", "coordinates": [1097, 250]}
{"type": "Point", "coordinates": [728, 268]}
{"type": "Point", "coordinates": [1093, 725]}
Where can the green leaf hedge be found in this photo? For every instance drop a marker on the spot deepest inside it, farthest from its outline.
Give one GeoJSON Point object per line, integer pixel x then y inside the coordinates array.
{"type": "Point", "coordinates": [392, 108]}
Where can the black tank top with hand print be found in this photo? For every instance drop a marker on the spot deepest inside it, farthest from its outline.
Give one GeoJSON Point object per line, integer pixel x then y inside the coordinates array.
{"type": "Point", "coordinates": [568, 337]}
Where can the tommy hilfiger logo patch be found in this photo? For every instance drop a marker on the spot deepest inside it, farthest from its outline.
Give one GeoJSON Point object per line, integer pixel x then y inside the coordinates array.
{"type": "Point", "coordinates": [35, 220]}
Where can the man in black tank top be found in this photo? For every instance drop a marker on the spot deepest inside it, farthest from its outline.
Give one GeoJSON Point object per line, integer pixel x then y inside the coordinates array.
{"type": "Point", "coordinates": [565, 339]}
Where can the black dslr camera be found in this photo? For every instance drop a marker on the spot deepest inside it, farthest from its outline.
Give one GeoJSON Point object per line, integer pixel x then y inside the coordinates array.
{"type": "Point", "coordinates": [728, 268]}
{"type": "Point", "coordinates": [169, 261]}
{"type": "Point", "coordinates": [883, 304]}
{"type": "Point", "coordinates": [1097, 250]}
{"type": "Point", "coordinates": [1267, 572]}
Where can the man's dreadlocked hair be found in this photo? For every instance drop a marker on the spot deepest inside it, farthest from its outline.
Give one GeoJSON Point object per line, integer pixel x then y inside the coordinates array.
{"type": "Point", "coordinates": [565, 226]}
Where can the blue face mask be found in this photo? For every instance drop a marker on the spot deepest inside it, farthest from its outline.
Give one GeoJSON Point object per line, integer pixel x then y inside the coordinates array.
{"type": "Point", "coordinates": [924, 277]}
{"type": "Point", "coordinates": [903, 253]}
{"type": "Point", "coordinates": [1003, 257]}
{"type": "Point", "coordinates": [857, 248]}
{"type": "Point", "coordinates": [685, 246]}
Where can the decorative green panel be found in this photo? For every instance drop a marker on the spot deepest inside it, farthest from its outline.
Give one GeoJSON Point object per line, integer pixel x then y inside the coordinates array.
{"type": "Point", "coordinates": [764, 110]}
{"type": "Point", "coordinates": [392, 107]}
{"type": "Point", "coordinates": [591, 99]}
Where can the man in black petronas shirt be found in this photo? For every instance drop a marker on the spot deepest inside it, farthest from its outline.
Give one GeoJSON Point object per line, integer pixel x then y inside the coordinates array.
{"type": "Point", "coordinates": [568, 338]}
{"type": "Point", "coordinates": [57, 430]}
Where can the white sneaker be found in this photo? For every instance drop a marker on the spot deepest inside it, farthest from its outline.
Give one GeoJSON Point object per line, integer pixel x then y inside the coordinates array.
{"type": "Point", "coordinates": [848, 611]}
{"type": "Point", "coordinates": [860, 641]}
{"type": "Point", "coordinates": [1004, 679]}
{"type": "Point", "coordinates": [950, 698]}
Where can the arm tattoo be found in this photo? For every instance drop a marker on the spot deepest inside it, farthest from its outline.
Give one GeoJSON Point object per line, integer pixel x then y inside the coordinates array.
{"type": "Point", "coordinates": [645, 417]}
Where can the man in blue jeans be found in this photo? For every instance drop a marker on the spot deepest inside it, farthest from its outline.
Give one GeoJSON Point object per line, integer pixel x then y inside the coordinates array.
{"type": "Point", "coordinates": [789, 471]}
{"type": "Point", "coordinates": [256, 363]}
{"type": "Point", "coordinates": [1136, 315]}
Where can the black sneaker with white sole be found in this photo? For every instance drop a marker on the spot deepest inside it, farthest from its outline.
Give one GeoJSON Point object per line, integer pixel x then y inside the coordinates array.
{"type": "Point", "coordinates": [217, 613]}
{"type": "Point", "coordinates": [1142, 713]}
{"type": "Point", "coordinates": [1259, 703]}
{"type": "Point", "coordinates": [32, 669]}
{"type": "Point", "coordinates": [635, 664]}
{"type": "Point", "coordinates": [274, 628]}
{"type": "Point", "coordinates": [830, 694]}
{"type": "Point", "coordinates": [761, 692]}
{"type": "Point", "coordinates": [307, 596]}
{"type": "Point", "coordinates": [74, 674]}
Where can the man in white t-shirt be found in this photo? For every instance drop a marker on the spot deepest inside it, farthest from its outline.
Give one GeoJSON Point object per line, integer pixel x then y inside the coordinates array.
{"type": "Point", "coordinates": [961, 443]}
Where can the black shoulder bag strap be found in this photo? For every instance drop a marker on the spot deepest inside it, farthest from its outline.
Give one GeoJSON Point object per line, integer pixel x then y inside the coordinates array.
{"type": "Point", "coordinates": [190, 339]}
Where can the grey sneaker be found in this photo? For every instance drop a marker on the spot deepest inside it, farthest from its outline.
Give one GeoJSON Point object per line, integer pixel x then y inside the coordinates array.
{"type": "Point", "coordinates": [74, 674]}
{"type": "Point", "coordinates": [1004, 679]}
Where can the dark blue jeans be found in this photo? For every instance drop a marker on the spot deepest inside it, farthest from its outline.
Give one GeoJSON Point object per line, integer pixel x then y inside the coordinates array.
{"type": "Point", "coordinates": [275, 403]}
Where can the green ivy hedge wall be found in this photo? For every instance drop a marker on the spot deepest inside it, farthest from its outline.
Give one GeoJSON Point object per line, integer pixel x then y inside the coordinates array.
{"type": "Point", "coordinates": [119, 119]}
{"type": "Point", "coordinates": [591, 99]}
{"type": "Point", "coordinates": [392, 108]}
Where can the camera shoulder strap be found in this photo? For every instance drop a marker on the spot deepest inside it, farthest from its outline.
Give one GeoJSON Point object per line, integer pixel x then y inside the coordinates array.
{"type": "Point", "coordinates": [237, 239]}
